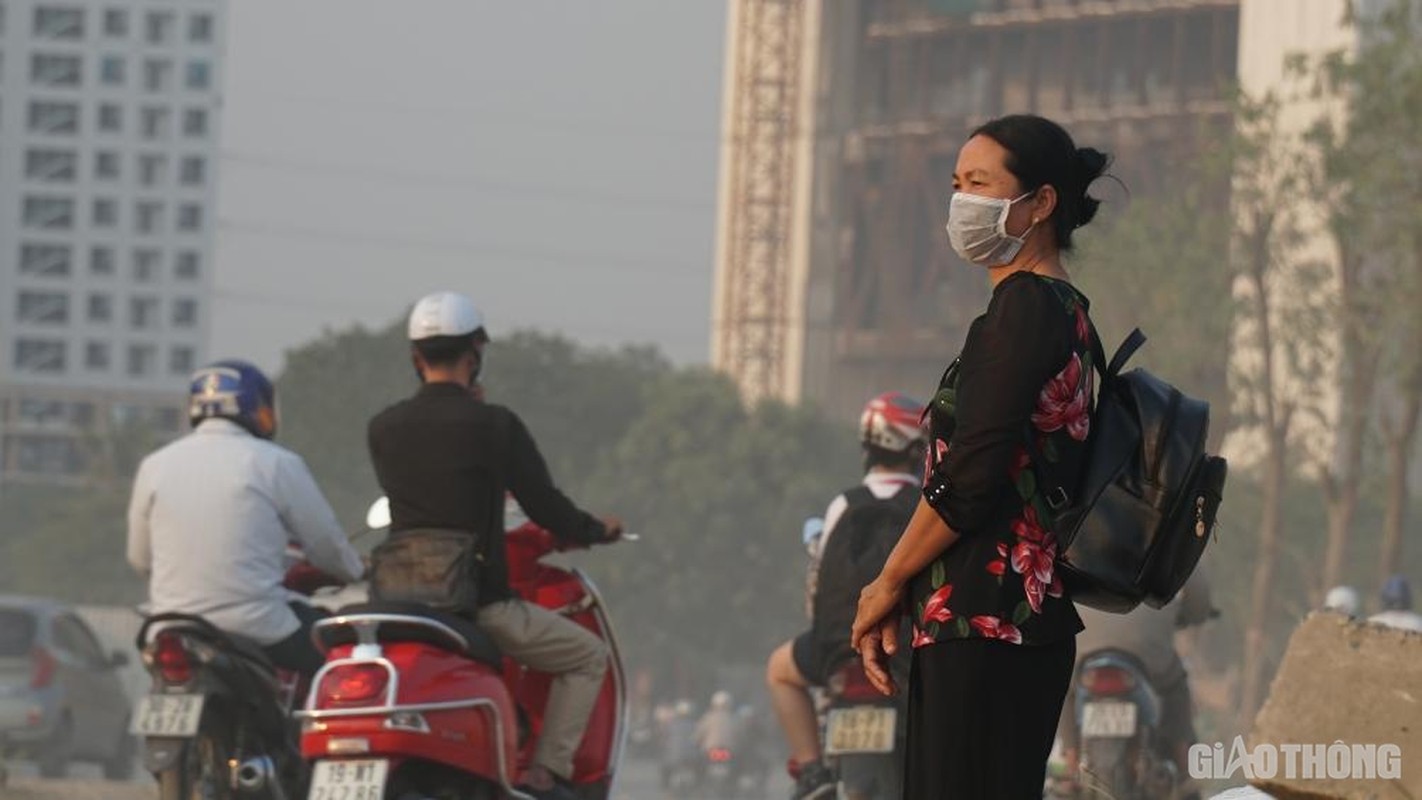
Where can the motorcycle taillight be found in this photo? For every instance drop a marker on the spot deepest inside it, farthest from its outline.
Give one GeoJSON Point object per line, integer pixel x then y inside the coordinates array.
{"type": "Point", "coordinates": [850, 683]}
{"type": "Point", "coordinates": [352, 685]}
{"type": "Point", "coordinates": [42, 668]}
{"type": "Point", "coordinates": [171, 659]}
{"type": "Point", "coordinates": [1108, 680]}
{"type": "Point", "coordinates": [719, 755]}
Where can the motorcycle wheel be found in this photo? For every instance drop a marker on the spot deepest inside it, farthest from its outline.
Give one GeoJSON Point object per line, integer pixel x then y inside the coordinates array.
{"type": "Point", "coordinates": [202, 772]}
{"type": "Point", "coordinates": [1109, 770]}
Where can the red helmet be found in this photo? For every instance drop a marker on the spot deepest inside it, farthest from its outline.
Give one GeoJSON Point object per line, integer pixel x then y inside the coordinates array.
{"type": "Point", "coordinates": [893, 422]}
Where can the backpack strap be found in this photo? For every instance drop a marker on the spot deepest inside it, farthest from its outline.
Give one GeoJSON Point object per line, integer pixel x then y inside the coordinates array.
{"type": "Point", "coordinates": [860, 495]}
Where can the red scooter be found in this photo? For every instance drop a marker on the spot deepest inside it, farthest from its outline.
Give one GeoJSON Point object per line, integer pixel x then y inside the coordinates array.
{"type": "Point", "coordinates": [415, 704]}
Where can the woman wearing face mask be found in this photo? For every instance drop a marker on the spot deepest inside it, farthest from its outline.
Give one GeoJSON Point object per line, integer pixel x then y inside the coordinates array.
{"type": "Point", "coordinates": [973, 578]}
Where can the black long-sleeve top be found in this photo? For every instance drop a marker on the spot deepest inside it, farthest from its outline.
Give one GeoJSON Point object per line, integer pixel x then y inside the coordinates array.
{"type": "Point", "coordinates": [446, 460]}
{"type": "Point", "coordinates": [1025, 370]}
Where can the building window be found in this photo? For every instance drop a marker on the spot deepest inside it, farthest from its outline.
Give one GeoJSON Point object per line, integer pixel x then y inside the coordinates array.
{"type": "Point", "coordinates": [101, 261]}
{"type": "Point", "coordinates": [110, 118]}
{"type": "Point", "coordinates": [55, 71]}
{"type": "Point", "coordinates": [160, 27]}
{"type": "Point", "coordinates": [200, 28]}
{"type": "Point", "coordinates": [186, 268]}
{"type": "Point", "coordinates": [106, 165]}
{"type": "Point", "coordinates": [184, 313]}
{"type": "Point", "coordinates": [115, 23]}
{"type": "Point", "coordinates": [146, 263]}
{"type": "Point", "coordinates": [54, 118]}
{"type": "Point", "coordinates": [140, 359]}
{"type": "Point", "coordinates": [105, 212]}
{"type": "Point", "coordinates": [192, 171]}
{"type": "Point", "coordinates": [43, 308]}
{"type": "Point", "coordinates": [101, 308]}
{"type": "Point", "coordinates": [59, 22]}
{"type": "Point", "coordinates": [142, 312]}
{"type": "Point", "coordinates": [199, 75]}
{"type": "Point", "coordinates": [45, 260]}
{"type": "Point", "coordinates": [113, 70]}
{"type": "Point", "coordinates": [195, 122]}
{"type": "Point", "coordinates": [39, 355]}
{"type": "Point", "coordinates": [151, 168]}
{"type": "Point", "coordinates": [49, 213]}
{"type": "Point", "coordinates": [180, 360]}
{"type": "Point", "coordinates": [96, 356]}
{"type": "Point", "coordinates": [157, 74]}
{"type": "Point", "coordinates": [155, 123]}
{"type": "Point", "coordinates": [52, 166]}
{"type": "Point", "coordinates": [190, 217]}
{"type": "Point", "coordinates": [149, 217]}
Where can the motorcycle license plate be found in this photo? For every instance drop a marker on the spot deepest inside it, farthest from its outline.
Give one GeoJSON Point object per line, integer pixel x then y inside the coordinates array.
{"type": "Point", "coordinates": [349, 779]}
{"type": "Point", "coordinates": [1108, 720]}
{"type": "Point", "coordinates": [860, 729]}
{"type": "Point", "coordinates": [167, 715]}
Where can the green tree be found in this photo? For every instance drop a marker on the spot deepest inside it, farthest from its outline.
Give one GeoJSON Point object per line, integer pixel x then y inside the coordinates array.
{"type": "Point", "coordinates": [1163, 265]}
{"type": "Point", "coordinates": [1373, 164]}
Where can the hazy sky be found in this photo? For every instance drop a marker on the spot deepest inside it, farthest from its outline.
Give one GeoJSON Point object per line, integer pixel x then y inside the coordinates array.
{"type": "Point", "coordinates": [555, 160]}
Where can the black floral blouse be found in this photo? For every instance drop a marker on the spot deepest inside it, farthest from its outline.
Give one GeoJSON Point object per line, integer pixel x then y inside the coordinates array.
{"type": "Point", "coordinates": [1025, 369]}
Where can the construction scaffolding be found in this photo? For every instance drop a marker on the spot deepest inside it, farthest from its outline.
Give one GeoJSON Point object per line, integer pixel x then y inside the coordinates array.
{"type": "Point", "coordinates": [758, 163]}
{"type": "Point", "coordinates": [894, 88]}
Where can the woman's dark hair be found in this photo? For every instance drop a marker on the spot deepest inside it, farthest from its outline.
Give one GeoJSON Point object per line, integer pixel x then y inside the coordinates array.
{"type": "Point", "coordinates": [1041, 152]}
{"type": "Point", "coordinates": [443, 351]}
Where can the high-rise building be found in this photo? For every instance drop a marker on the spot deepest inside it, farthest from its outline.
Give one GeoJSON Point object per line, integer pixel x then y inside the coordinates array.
{"type": "Point", "coordinates": [109, 121]}
{"type": "Point", "coordinates": [842, 122]}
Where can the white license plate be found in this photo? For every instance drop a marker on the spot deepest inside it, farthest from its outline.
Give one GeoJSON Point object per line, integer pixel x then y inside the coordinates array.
{"type": "Point", "coordinates": [167, 715]}
{"type": "Point", "coordinates": [861, 729]}
{"type": "Point", "coordinates": [1108, 720]}
{"type": "Point", "coordinates": [349, 779]}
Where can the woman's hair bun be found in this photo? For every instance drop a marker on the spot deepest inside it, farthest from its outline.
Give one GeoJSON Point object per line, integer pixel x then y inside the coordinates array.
{"type": "Point", "coordinates": [1090, 165]}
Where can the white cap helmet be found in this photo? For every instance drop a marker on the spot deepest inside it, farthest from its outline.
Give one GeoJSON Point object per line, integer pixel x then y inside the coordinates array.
{"type": "Point", "coordinates": [444, 314]}
{"type": "Point", "coordinates": [1344, 600]}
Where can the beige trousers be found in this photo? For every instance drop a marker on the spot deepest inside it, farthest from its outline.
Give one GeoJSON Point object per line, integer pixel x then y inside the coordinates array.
{"type": "Point", "coordinates": [548, 642]}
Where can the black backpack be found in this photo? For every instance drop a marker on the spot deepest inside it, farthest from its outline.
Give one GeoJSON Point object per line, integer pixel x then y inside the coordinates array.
{"type": "Point", "coordinates": [1136, 524]}
{"type": "Point", "coordinates": [855, 553]}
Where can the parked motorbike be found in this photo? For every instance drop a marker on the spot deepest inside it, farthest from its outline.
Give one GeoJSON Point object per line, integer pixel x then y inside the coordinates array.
{"type": "Point", "coordinates": [863, 736]}
{"type": "Point", "coordinates": [416, 704]}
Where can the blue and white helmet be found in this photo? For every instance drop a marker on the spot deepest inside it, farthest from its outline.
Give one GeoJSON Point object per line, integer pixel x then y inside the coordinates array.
{"type": "Point", "coordinates": [235, 390]}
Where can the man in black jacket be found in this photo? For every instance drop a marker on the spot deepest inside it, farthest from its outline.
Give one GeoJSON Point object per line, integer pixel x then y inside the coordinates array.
{"type": "Point", "coordinates": [445, 460]}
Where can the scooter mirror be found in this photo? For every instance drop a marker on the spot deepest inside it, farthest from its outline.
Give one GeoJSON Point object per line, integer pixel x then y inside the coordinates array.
{"type": "Point", "coordinates": [379, 514]}
{"type": "Point", "coordinates": [810, 534]}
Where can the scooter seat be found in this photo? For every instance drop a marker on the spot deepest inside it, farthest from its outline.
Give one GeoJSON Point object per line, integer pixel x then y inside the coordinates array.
{"type": "Point", "coordinates": [478, 645]}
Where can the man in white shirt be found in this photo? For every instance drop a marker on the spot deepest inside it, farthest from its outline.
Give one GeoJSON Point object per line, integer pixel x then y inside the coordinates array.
{"type": "Point", "coordinates": [212, 514]}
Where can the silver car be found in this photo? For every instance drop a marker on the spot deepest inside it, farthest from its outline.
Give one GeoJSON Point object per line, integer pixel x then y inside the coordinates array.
{"type": "Point", "coordinates": [61, 699]}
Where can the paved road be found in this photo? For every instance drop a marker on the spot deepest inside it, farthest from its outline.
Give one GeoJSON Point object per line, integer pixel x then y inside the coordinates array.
{"type": "Point", "coordinates": [638, 782]}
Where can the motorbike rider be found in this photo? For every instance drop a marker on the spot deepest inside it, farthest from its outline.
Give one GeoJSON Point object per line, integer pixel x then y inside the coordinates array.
{"type": "Point", "coordinates": [211, 515]}
{"type": "Point", "coordinates": [445, 459]}
{"type": "Point", "coordinates": [1396, 597]}
{"type": "Point", "coordinates": [1149, 635]}
{"type": "Point", "coordinates": [892, 436]}
{"type": "Point", "coordinates": [718, 727]}
{"type": "Point", "coordinates": [1343, 600]}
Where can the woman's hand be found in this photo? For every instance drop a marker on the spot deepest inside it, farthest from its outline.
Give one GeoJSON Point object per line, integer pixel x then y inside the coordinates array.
{"type": "Point", "coordinates": [876, 628]}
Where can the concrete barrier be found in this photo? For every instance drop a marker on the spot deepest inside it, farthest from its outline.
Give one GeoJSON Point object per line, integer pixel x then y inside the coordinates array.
{"type": "Point", "coordinates": [1350, 683]}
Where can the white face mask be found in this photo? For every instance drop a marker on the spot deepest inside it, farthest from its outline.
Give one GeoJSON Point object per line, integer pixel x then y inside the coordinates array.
{"type": "Point", "coordinates": [977, 229]}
